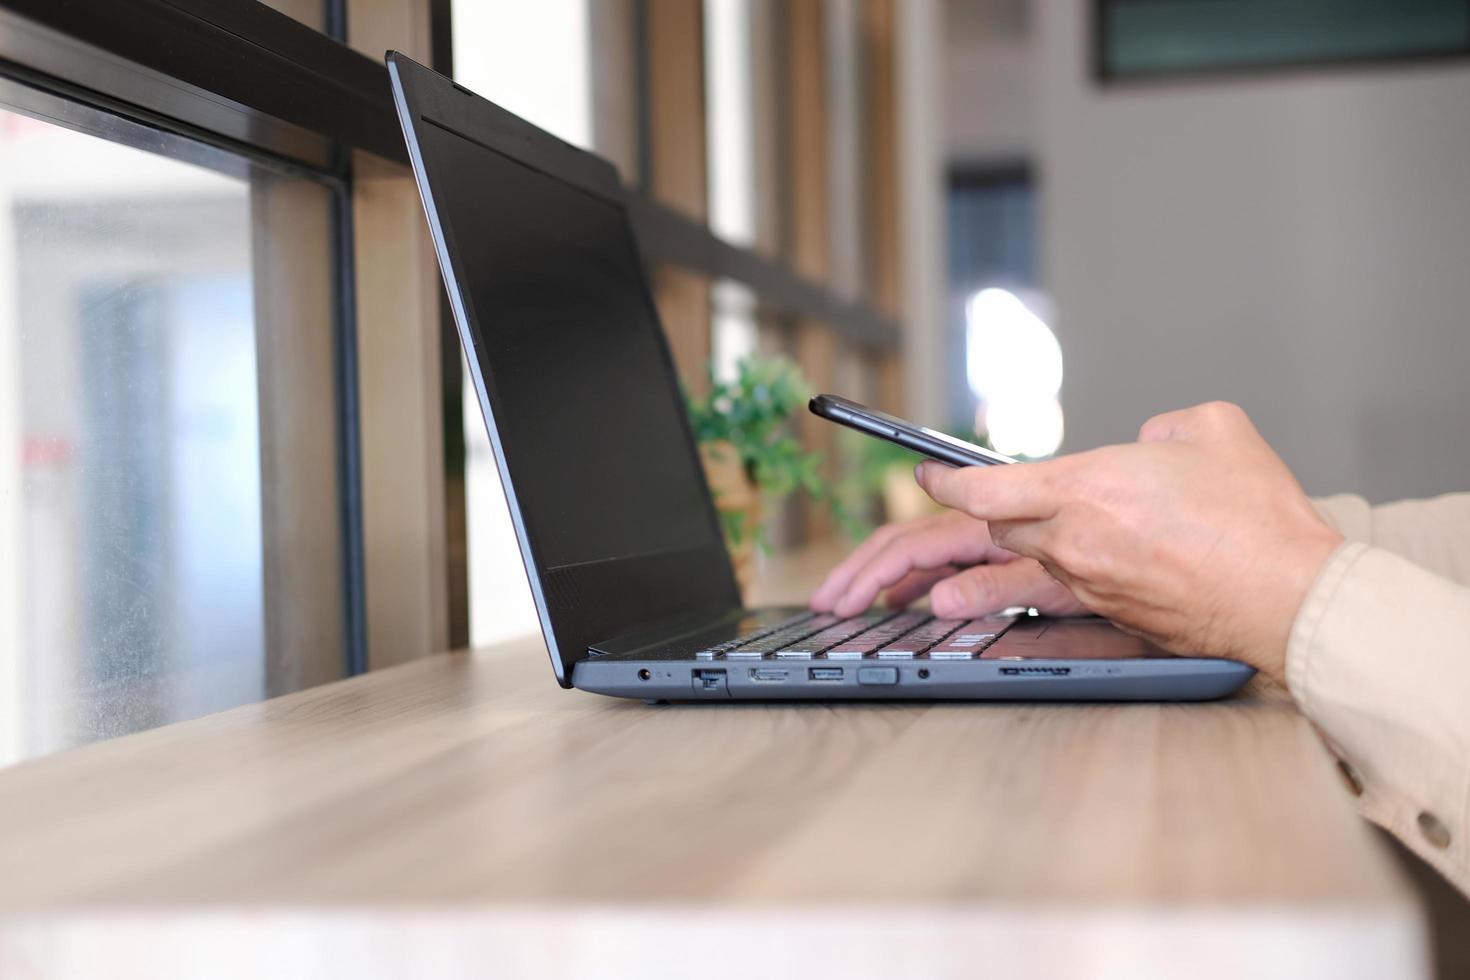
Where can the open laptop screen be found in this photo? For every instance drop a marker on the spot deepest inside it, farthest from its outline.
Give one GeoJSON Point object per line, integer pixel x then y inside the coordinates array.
{"type": "Point", "coordinates": [610, 494]}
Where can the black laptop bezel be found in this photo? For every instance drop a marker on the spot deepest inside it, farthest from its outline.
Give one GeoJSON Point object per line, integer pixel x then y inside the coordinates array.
{"type": "Point", "coordinates": [424, 97]}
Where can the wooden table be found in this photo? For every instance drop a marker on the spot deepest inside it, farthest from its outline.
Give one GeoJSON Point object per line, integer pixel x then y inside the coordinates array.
{"type": "Point", "coordinates": [461, 814]}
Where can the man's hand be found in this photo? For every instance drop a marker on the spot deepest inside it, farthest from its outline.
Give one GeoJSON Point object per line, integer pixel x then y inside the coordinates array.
{"type": "Point", "coordinates": [1197, 536]}
{"type": "Point", "coordinates": [934, 554]}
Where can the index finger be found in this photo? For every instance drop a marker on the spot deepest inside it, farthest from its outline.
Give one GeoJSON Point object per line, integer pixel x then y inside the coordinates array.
{"type": "Point", "coordinates": [995, 493]}
{"type": "Point", "coordinates": [840, 577]}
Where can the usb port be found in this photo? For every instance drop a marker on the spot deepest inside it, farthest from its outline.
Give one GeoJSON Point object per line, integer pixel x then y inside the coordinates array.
{"type": "Point", "coordinates": [824, 673]}
{"type": "Point", "coordinates": [769, 675]}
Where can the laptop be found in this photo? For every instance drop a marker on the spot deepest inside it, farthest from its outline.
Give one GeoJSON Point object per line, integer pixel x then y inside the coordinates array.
{"type": "Point", "coordinates": [617, 528]}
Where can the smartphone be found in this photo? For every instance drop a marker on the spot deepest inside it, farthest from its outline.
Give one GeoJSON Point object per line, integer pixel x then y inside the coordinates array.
{"type": "Point", "coordinates": [926, 442]}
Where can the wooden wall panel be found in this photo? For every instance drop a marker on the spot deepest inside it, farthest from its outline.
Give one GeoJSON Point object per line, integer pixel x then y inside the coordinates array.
{"type": "Point", "coordinates": [806, 139]}
{"type": "Point", "coordinates": [301, 516]}
{"type": "Point", "coordinates": [675, 45]}
{"type": "Point", "coordinates": [887, 370]}
{"type": "Point", "coordinates": [881, 155]}
{"type": "Point", "coordinates": [400, 373]}
{"type": "Point", "coordinates": [880, 185]}
{"type": "Point", "coordinates": [401, 416]}
{"type": "Point", "coordinates": [611, 30]}
{"type": "Point", "coordinates": [807, 235]}
{"type": "Point", "coordinates": [683, 300]}
{"type": "Point", "coordinates": [677, 168]}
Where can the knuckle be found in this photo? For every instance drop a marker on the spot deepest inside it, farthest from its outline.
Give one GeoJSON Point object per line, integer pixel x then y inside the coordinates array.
{"type": "Point", "coordinates": [1078, 554]}
{"type": "Point", "coordinates": [1221, 413]}
{"type": "Point", "coordinates": [966, 595]}
{"type": "Point", "coordinates": [885, 534]}
{"type": "Point", "coordinates": [1155, 428]}
{"type": "Point", "coordinates": [1079, 484]}
{"type": "Point", "coordinates": [1002, 534]}
{"type": "Point", "coordinates": [980, 591]}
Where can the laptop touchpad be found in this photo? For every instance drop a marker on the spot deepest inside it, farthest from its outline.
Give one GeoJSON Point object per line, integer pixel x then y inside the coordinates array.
{"type": "Point", "coordinates": [1070, 639]}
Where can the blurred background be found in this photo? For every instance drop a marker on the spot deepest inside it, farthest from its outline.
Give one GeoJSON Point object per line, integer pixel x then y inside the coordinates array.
{"type": "Point", "coordinates": [237, 456]}
{"type": "Point", "coordinates": [1103, 211]}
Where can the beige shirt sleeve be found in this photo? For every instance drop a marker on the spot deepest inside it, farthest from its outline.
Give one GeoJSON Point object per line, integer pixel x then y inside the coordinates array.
{"type": "Point", "coordinates": [1433, 534]}
{"type": "Point", "coordinates": [1379, 658]}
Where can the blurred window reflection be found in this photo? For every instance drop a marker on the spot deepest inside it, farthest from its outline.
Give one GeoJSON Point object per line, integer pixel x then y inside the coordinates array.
{"type": "Point", "coordinates": [131, 541]}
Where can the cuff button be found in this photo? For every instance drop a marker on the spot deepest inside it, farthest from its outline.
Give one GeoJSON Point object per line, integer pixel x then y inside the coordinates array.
{"type": "Point", "coordinates": [1434, 830]}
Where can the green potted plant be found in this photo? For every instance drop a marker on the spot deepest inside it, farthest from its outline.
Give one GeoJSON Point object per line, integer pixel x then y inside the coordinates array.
{"type": "Point", "coordinates": [749, 453]}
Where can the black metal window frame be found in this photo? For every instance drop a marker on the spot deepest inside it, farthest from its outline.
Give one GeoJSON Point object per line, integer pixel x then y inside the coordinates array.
{"type": "Point", "coordinates": [242, 77]}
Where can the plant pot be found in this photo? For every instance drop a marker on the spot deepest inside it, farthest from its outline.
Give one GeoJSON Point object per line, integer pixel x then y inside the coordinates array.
{"type": "Point", "coordinates": [735, 496]}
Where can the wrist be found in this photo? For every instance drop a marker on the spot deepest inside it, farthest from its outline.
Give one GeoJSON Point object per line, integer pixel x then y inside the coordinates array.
{"type": "Point", "coordinates": [1296, 568]}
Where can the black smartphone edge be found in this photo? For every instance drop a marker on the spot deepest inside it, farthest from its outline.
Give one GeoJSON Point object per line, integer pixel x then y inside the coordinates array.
{"type": "Point", "coordinates": [881, 425]}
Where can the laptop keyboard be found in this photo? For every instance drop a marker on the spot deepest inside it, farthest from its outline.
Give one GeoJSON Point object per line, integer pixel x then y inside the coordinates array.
{"type": "Point", "coordinates": [877, 635]}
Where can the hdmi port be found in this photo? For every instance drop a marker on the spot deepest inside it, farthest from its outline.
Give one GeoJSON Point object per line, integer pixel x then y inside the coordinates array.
{"type": "Point", "coordinates": [825, 673]}
{"type": "Point", "coordinates": [769, 674]}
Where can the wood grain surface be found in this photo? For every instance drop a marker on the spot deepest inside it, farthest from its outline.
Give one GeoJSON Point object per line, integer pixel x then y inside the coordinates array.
{"type": "Point", "coordinates": [464, 810]}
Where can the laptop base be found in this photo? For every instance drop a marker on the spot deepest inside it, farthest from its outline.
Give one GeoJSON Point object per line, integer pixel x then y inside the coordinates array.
{"type": "Point", "coordinates": [1027, 659]}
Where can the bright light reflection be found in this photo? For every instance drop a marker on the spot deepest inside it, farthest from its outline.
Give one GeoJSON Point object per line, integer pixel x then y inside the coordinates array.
{"type": "Point", "coordinates": [1024, 428]}
{"type": "Point", "coordinates": [1014, 365]}
{"type": "Point", "coordinates": [531, 58]}
{"type": "Point", "coordinates": [729, 135]}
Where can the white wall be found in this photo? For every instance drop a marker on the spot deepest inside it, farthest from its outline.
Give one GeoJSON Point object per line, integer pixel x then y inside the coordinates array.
{"type": "Point", "coordinates": [989, 81]}
{"type": "Point", "coordinates": [1299, 244]}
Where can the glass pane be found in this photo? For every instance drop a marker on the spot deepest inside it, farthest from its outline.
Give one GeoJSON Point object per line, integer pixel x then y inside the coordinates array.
{"type": "Point", "coordinates": [729, 108]}
{"type": "Point", "coordinates": [133, 558]}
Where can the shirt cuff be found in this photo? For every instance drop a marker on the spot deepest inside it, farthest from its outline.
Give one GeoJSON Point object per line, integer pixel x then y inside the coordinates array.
{"type": "Point", "coordinates": [1376, 659]}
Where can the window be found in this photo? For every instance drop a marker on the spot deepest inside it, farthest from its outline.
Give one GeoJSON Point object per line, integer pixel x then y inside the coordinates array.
{"type": "Point", "coordinates": [138, 536]}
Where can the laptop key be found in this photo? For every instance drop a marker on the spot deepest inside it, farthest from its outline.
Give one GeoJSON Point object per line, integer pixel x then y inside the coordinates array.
{"type": "Point", "coordinates": [769, 643]}
{"type": "Point", "coordinates": [876, 638]}
{"type": "Point", "coordinates": [751, 630]}
{"type": "Point", "coordinates": [817, 643]}
{"type": "Point", "coordinates": [966, 642]}
{"type": "Point", "coordinates": [915, 642]}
